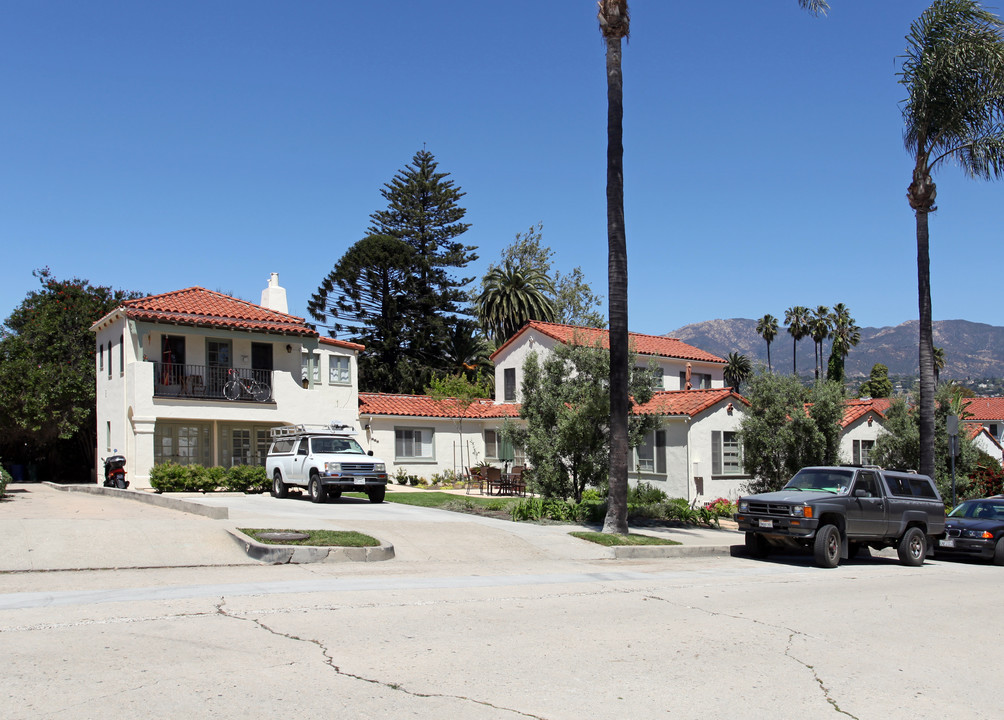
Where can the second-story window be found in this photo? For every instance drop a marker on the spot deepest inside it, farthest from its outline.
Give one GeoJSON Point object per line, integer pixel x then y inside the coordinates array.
{"type": "Point", "coordinates": [509, 378]}
{"type": "Point", "coordinates": [338, 370]}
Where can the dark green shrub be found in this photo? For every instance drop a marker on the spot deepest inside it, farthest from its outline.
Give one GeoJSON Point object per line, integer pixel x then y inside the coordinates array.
{"type": "Point", "coordinates": [209, 479]}
{"type": "Point", "coordinates": [171, 477]}
{"type": "Point", "coordinates": [645, 494]}
{"type": "Point", "coordinates": [4, 479]}
{"type": "Point", "coordinates": [246, 479]}
{"type": "Point", "coordinates": [545, 509]}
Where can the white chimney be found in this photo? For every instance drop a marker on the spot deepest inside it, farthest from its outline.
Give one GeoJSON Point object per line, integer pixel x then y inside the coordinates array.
{"type": "Point", "coordinates": [274, 297]}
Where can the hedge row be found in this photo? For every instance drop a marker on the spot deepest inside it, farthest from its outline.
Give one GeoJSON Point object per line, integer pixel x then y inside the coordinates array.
{"type": "Point", "coordinates": [171, 477]}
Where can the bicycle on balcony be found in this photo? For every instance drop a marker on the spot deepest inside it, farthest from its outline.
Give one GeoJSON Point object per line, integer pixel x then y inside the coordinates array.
{"type": "Point", "coordinates": [237, 386]}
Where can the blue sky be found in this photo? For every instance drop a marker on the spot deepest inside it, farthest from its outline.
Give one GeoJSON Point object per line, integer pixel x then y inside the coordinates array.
{"type": "Point", "coordinates": [155, 146]}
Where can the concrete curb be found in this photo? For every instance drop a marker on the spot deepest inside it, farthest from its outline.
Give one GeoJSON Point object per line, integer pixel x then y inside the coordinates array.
{"type": "Point", "coordinates": [171, 503]}
{"type": "Point", "coordinates": [627, 552]}
{"type": "Point", "coordinates": [299, 554]}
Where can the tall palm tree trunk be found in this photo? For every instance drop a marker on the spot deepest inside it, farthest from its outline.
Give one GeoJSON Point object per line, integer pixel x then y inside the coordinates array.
{"type": "Point", "coordinates": [926, 346]}
{"type": "Point", "coordinates": [616, 518]}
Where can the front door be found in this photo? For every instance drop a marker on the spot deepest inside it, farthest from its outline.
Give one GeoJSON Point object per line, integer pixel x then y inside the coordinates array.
{"type": "Point", "coordinates": [218, 360]}
{"type": "Point", "coordinates": [261, 362]}
{"type": "Point", "coordinates": [172, 359]}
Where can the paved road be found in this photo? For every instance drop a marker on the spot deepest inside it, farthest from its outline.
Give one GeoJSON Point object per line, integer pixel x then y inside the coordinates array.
{"type": "Point", "coordinates": [533, 635]}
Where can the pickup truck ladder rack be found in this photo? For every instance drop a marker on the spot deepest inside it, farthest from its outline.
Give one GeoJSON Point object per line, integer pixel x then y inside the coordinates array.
{"type": "Point", "coordinates": [287, 431]}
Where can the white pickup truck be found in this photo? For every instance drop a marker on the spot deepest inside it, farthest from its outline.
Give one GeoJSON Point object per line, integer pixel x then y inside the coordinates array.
{"type": "Point", "coordinates": [325, 459]}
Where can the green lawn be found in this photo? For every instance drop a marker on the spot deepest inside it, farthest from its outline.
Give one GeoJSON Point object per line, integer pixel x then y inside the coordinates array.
{"type": "Point", "coordinates": [435, 499]}
{"type": "Point", "coordinates": [319, 538]}
{"type": "Point", "coordinates": [630, 539]}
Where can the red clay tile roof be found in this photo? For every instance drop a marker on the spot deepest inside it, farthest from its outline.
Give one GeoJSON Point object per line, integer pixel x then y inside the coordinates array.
{"type": "Point", "coordinates": [669, 402]}
{"type": "Point", "coordinates": [426, 406]}
{"type": "Point", "coordinates": [985, 408]}
{"type": "Point", "coordinates": [205, 308]}
{"type": "Point", "coordinates": [856, 409]}
{"type": "Point", "coordinates": [657, 345]}
{"type": "Point", "coordinates": [975, 429]}
{"type": "Point", "coordinates": [687, 402]}
{"type": "Point", "coordinates": [335, 342]}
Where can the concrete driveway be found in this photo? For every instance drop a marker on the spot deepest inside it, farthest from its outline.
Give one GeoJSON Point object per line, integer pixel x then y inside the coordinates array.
{"type": "Point", "coordinates": [45, 528]}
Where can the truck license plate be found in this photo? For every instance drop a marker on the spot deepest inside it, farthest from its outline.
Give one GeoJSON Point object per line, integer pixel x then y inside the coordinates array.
{"type": "Point", "coordinates": [766, 523]}
{"type": "Point", "coordinates": [359, 481]}
{"type": "Point", "coordinates": [946, 542]}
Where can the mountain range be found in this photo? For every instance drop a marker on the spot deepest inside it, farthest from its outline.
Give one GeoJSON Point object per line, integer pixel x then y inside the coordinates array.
{"type": "Point", "coordinates": [972, 350]}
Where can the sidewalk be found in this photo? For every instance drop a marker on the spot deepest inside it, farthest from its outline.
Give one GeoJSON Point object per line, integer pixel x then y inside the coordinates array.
{"type": "Point", "coordinates": [70, 528]}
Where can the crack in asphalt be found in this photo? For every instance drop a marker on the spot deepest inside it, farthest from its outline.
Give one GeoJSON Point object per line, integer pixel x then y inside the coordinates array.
{"type": "Point", "coordinates": [792, 634]}
{"type": "Point", "coordinates": [330, 661]}
{"type": "Point", "coordinates": [815, 675]}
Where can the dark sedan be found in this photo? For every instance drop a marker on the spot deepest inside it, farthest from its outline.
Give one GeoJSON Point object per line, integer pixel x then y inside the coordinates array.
{"type": "Point", "coordinates": [975, 529]}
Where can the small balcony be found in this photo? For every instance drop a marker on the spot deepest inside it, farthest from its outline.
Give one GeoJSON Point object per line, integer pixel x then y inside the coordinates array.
{"type": "Point", "coordinates": [174, 380]}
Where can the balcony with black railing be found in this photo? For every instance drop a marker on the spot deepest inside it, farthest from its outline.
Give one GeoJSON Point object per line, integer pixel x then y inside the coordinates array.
{"type": "Point", "coordinates": [173, 380]}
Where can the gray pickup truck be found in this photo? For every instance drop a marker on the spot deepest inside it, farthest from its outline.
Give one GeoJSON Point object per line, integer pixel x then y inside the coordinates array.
{"type": "Point", "coordinates": [835, 511]}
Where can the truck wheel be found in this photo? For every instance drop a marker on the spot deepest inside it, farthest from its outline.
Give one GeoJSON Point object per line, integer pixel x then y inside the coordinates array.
{"type": "Point", "coordinates": [826, 548]}
{"type": "Point", "coordinates": [316, 490]}
{"type": "Point", "coordinates": [377, 494]}
{"type": "Point", "coordinates": [757, 545]}
{"type": "Point", "coordinates": [278, 486]}
{"type": "Point", "coordinates": [912, 547]}
{"type": "Point", "coordinates": [335, 492]}
{"type": "Point", "coordinates": [999, 552]}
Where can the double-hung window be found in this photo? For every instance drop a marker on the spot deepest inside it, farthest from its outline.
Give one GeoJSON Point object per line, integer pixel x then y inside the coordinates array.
{"type": "Point", "coordinates": [338, 370]}
{"type": "Point", "coordinates": [491, 444]}
{"type": "Point", "coordinates": [726, 455]}
{"type": "Point", "coordinates": [509, 383]}
{"type": "Point", "coordinates": [413, 444]}
{"type": "Point", "coordinates": [650, 456]}
{"type": "Point", "coordinates": [698, 381]}
{"type": "Point", "coordinates": [862, 450]}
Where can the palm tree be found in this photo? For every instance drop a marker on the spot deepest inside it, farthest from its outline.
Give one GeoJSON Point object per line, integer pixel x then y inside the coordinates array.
{"type": "Point", "coordinates": [953, 71]}
{"type": "Point", "coordinates": [819, 330]}
{"type": "Point", "coordinates": [845, 335]}
{"type": "Point", "coordinates": [737, 370]}
{"type": "Point", "coordinates": [467, 351]}
{"type": "Point", "coordinates": [615, 25]}
{"type": "Point", "coordinates": [797, 319]}
{"type": "Point", "coordinates": [766, 327]}
{"type": "Point", "coordinates": [513, 295]}
{"type": "Point", "coordinates": [614, 21]}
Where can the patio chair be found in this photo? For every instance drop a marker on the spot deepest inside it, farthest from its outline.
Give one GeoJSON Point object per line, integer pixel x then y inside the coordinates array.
{"type": "Point", "coordinates": [494, 478]}
{"type": "Point", "coordinates": [474, 477]}
{"type": "Point", "coordinates": [517, 483]}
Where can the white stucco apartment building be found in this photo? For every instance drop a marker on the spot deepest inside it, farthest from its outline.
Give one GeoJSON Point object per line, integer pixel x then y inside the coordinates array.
{"type": "Point", "coordinates": [162, 363]}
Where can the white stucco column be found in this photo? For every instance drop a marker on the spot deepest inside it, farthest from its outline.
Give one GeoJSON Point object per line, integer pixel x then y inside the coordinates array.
{"type": "Point", "coordinates": [141, 457]}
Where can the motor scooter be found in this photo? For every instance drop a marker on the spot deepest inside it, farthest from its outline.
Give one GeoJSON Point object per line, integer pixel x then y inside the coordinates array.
{"type": "Point", "coordinates": [115, 473]}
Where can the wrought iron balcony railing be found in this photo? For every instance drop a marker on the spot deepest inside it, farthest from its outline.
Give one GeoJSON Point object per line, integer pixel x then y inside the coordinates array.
{"type": "Point", "coordinates": [204, 381]}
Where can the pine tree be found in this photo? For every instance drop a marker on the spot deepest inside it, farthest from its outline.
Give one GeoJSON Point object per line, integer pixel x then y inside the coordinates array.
{"type": "Point", "coordinates": [422, 211]}
{"type": "Point", "coordinates": [363, 299]}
